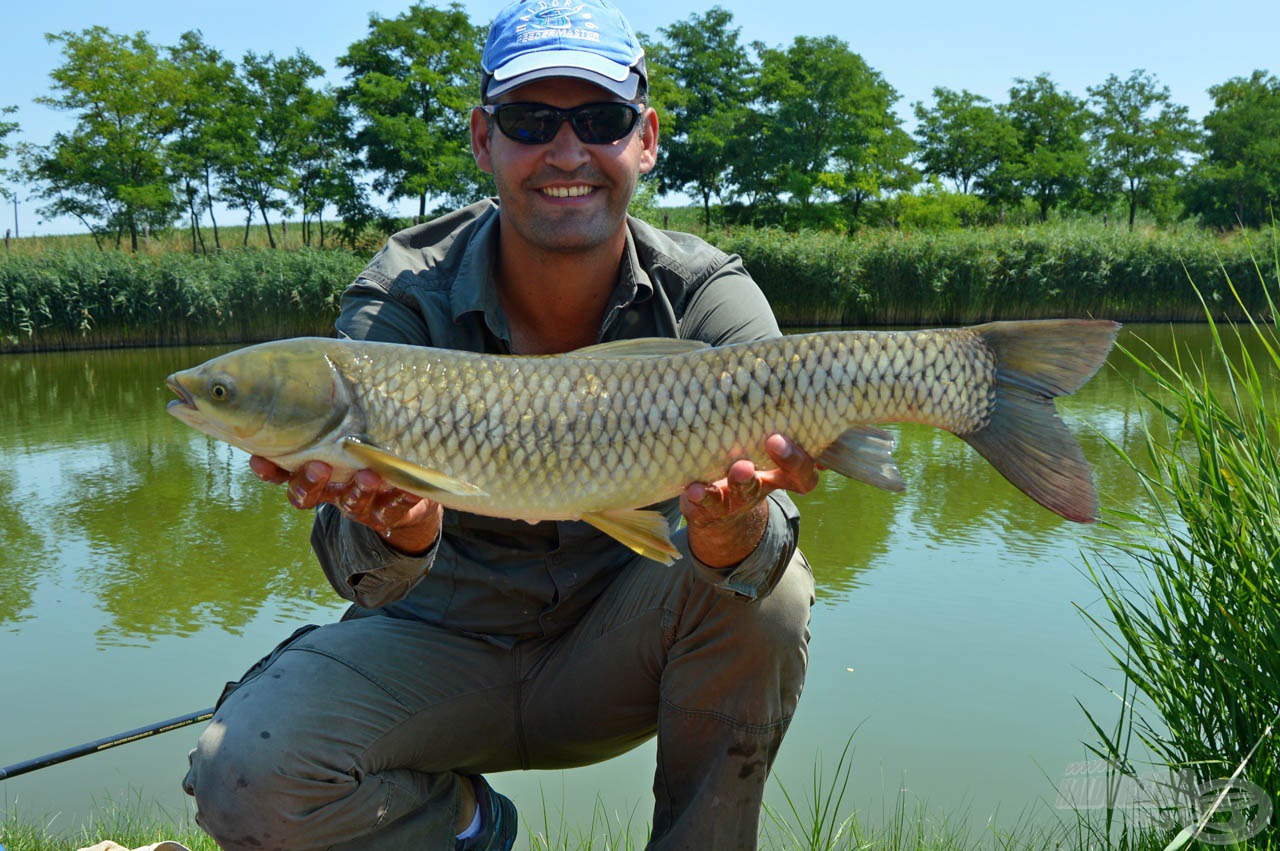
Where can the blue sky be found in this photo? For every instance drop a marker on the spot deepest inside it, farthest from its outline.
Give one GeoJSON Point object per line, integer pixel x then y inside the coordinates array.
{"type": "Point", "coordinates": [916, 45]}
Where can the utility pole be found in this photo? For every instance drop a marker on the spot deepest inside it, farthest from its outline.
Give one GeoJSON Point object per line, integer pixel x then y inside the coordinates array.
{"type": "Point", "coordinates": [16, 235]}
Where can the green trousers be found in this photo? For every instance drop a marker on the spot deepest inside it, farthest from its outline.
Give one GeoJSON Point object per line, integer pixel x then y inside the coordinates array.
{"type": "Point", "coordinates": [353, 735]}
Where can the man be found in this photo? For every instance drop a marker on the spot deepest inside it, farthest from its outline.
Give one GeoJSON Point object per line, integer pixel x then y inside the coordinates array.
{"type": "Point", "coordinates": [479, 645]}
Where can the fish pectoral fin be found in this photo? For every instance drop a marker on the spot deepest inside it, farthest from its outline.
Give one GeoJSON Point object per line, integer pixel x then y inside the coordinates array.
{"type": "Point", "coordinates": [407, 475]}
{"type": "Point", "coordinates": [865, 453]}
{"type": "Point", "coordinates": [641, 347]}
{"type": "Point", "coordinates": [646, 532]}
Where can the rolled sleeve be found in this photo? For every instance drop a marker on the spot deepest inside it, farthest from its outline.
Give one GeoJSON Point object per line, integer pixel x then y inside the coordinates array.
{"type": "Point", "coordinates": [757, 574]}
{"type": "Point", "coordinates": [360, 565]}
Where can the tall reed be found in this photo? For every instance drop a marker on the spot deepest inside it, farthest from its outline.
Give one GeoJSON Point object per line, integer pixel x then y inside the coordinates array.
{"type": "Point", "coordinates": [1196, 628]}
{"type": "Point", "coordinates": [89, 299]}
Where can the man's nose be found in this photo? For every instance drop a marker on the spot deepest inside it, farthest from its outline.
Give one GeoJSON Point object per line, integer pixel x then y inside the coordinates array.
{"type": "Point", "coordinates": [565, 150]}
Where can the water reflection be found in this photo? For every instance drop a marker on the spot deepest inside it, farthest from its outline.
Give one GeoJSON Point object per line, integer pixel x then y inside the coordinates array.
{"type": "Point", "coordinates": [166, 529]}
{"type": "Point", "coordinates": [169, 532]}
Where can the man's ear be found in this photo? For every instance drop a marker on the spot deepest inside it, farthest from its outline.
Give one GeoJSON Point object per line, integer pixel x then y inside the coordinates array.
{"type": "Point", "coordinates": [649, 140]}
{"type": "Point", "coordinates": [481, 136]}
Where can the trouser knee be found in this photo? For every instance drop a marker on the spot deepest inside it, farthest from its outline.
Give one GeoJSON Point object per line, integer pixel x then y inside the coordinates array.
{"type": "Point", "coordinates": [246, 795]}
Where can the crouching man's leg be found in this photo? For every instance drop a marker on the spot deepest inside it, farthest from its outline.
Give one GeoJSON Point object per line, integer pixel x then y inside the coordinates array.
{"type": "Point", "coordinates": [716, 677]}
{"type": "Point", "coordinates": [354, 735]}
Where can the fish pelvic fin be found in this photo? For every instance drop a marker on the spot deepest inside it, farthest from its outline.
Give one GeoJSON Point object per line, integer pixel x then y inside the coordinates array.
{"type": "Point", "coordinates": [407, 475]}
{"type": "Point", "coordinates": [646, 532]}
{"type": "Point", "coordinates": [1037, 361]}
{"type": "Point", "coordinates": [864, 453]}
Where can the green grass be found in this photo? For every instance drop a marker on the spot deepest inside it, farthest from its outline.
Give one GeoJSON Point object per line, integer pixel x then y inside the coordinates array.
{"type": "Point", "coordinates": [1192, 610]}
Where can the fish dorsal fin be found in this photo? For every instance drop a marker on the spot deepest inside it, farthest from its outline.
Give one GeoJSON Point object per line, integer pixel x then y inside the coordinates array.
{"type": "Point", "coordinates": [864, 453]}
{"type": "Point", "coordinates": [407, 475]}
{"type": "Point", "coordinates": [641, 347]}
{"type": "Point", "coordinates": [646, 532]}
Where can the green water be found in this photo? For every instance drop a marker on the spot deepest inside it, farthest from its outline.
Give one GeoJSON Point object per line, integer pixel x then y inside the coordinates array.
{"type": "Point", "coordinates": [142, 565]}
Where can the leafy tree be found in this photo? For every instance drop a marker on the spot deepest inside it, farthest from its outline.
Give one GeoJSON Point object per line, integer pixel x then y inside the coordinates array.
{"type": "Point", "coordinates": [411, 81]}
{"type": "Point", "coordinates": [1141, 137]}
{"type": "Point", "coordinates": [962, 138]}
{"type": "Point", "coordinates": [109, 171]}
{"type": "Point", "coordinates": [701, 76]}
{"type": "Point", "coordinates": [6, 127]}
{"type": "Point", "coordinates": [326, 168]}
{"type": "Point", "coordinates": [270, 117]}
{"type": "Point", "coordinates": [196, 150]}
{"type": "Point", "coordinates": [825, 128]}
{"type": "Point", "coordinates": [1052, 161]}
{"type": "Point", "coordinates": [1238, 181]}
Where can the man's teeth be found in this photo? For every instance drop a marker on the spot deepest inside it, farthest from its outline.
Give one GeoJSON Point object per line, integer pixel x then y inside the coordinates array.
{"type": "Point", "coordinates": [566, 191]}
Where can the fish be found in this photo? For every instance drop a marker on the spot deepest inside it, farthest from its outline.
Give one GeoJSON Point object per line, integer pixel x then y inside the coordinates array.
{"type": "Point", "coordinates": [604, 433]}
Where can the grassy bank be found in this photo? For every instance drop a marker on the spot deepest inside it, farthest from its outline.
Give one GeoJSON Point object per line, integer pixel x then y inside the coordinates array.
{"type": "Point", "coordinates": [77, 297]}
{"type": "Point", "coordinates": [803, 829]}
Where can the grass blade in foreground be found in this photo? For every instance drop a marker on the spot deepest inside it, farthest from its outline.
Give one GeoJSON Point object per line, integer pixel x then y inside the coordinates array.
{"type": "Point", "coordinates": [1197, 633]}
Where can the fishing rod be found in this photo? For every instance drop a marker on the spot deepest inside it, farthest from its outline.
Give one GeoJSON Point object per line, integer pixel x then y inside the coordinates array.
{"type": "Point", "coordinates": [104, 744]}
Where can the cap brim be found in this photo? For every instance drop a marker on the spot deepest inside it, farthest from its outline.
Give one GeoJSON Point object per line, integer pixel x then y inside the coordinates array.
{"type": "Point", "coordinates": [625, 88]}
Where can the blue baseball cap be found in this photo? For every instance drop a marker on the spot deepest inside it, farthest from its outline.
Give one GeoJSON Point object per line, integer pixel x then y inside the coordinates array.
{"type": "Point", "coordinates": [587, 39]}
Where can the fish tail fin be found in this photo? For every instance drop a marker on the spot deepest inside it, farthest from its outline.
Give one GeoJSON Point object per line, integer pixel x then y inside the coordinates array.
{"type": "Point", "coordinates": [1037, 361]}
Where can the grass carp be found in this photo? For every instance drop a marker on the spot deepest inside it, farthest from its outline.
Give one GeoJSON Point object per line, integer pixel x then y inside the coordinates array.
{"type": "Point", "coordinates": [598, 433]}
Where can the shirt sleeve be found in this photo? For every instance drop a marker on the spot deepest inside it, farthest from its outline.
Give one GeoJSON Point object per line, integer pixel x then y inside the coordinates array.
{"type": "Point", "coordinates": [356, 560]}
{"type": "Point", "coordinates": [730, 308]}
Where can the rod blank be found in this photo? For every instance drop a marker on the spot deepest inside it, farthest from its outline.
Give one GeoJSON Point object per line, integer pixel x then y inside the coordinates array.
{"type": "Point", "coordinates": [105, 744]}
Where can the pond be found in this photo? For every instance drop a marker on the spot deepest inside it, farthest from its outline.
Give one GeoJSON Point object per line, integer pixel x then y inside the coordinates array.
{"type": "Point", "coordinates": [142, 565]}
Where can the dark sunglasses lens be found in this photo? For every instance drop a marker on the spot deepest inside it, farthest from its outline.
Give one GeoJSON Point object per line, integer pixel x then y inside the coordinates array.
{"type": "Point", "coordinates": [603, 123]}
{"type": "Point", "coordinates": [532, 125]}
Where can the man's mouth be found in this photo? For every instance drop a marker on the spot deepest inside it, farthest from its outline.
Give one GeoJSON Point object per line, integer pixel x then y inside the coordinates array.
{"type": "Point", "coordinates": [567, 191]}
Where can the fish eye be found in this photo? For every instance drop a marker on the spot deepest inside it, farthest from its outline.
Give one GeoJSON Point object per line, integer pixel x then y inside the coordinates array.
{"type": "Point", "coordinates": [219, 391]}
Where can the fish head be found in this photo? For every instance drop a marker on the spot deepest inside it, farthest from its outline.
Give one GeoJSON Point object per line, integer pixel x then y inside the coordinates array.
{"type": "Point", "coordinates": [274, 399]}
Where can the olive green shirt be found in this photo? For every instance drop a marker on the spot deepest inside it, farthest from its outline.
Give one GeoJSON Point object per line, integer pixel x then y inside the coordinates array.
{"type": "Point", "coordinates": [433, 285]}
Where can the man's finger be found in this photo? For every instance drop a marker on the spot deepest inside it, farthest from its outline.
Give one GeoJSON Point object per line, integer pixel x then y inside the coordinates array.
{"type": "Point", "coordinates": [307, 484]}
{"type": "Point", "coordinates": [267, 470]}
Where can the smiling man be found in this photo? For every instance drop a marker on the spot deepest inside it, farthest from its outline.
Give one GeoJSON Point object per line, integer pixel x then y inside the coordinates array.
{"type": "Point", "coordinates": [478, 645]}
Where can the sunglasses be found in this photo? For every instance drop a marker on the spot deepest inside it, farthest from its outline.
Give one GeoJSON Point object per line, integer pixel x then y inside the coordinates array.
{"type": "Point", "coordinates": [593, 123]}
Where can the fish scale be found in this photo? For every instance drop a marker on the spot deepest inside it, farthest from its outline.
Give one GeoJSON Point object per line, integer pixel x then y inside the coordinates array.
{"type": "Point", "coordinates": [599, 433]}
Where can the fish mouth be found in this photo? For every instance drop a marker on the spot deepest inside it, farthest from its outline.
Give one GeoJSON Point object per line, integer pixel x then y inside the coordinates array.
{"type": "Point", "coordinates": [185, 400]}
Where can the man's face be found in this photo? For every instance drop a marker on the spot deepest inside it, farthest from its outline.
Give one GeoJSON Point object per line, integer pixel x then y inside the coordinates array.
{"type": "Point", "coordinates": [565, 195]}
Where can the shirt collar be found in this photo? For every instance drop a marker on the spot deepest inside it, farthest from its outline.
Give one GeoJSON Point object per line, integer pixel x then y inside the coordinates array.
{"type": "Point", "coordinates": [474, 289]}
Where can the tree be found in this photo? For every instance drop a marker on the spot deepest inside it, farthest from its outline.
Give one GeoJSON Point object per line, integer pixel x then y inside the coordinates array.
{"type": "Point", "coordinates": [700, 76]}
{"type": "Point", "coordinates": [411, 81]}
{"type": "Point", "coordinates": [824, 128]}
{"type": "Point", "coordinates": [269, 119]}
{"type": "Point", "coordinates": [326, 168]}
{"type": "Point", "coordinates": [6, 127]}
{"type": "Point", "coordinates": [962, 138]}
{"type": "Point", "coordinates": [1052, 161]}
{"type": "Point", "coordinates": [1142, 137]}
{"type": "Point", "coordinates": [195, 152]}
{"type": "Point", "coordinates": [1238, 181]}
{"type": "Point", "coordinates": [109, 171]}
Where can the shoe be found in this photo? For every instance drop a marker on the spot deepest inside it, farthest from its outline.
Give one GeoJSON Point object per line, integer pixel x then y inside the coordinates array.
{"type": "Point", "coordinates": [498, 820]}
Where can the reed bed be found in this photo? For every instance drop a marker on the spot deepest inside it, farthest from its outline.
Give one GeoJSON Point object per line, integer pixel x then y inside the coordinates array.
{"type": "Point", "coordinates": [1196, 628]}
{"type": "Point", "coordinates": [67, 299]}
{"type": "Point", "coordinates": [889, 277]}
{"type": "Point", "coordinates": [59, 298]}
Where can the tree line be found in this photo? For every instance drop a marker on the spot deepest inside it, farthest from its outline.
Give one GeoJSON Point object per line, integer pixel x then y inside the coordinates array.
{"type": "Point", "coordinates": [801, 135]}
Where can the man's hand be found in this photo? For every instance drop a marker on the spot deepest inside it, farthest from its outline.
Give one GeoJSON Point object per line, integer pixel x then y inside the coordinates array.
{"type": "Point", "coordinates": [406, 521]}
{"type": "Point", "coordinates": [727, 518]}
